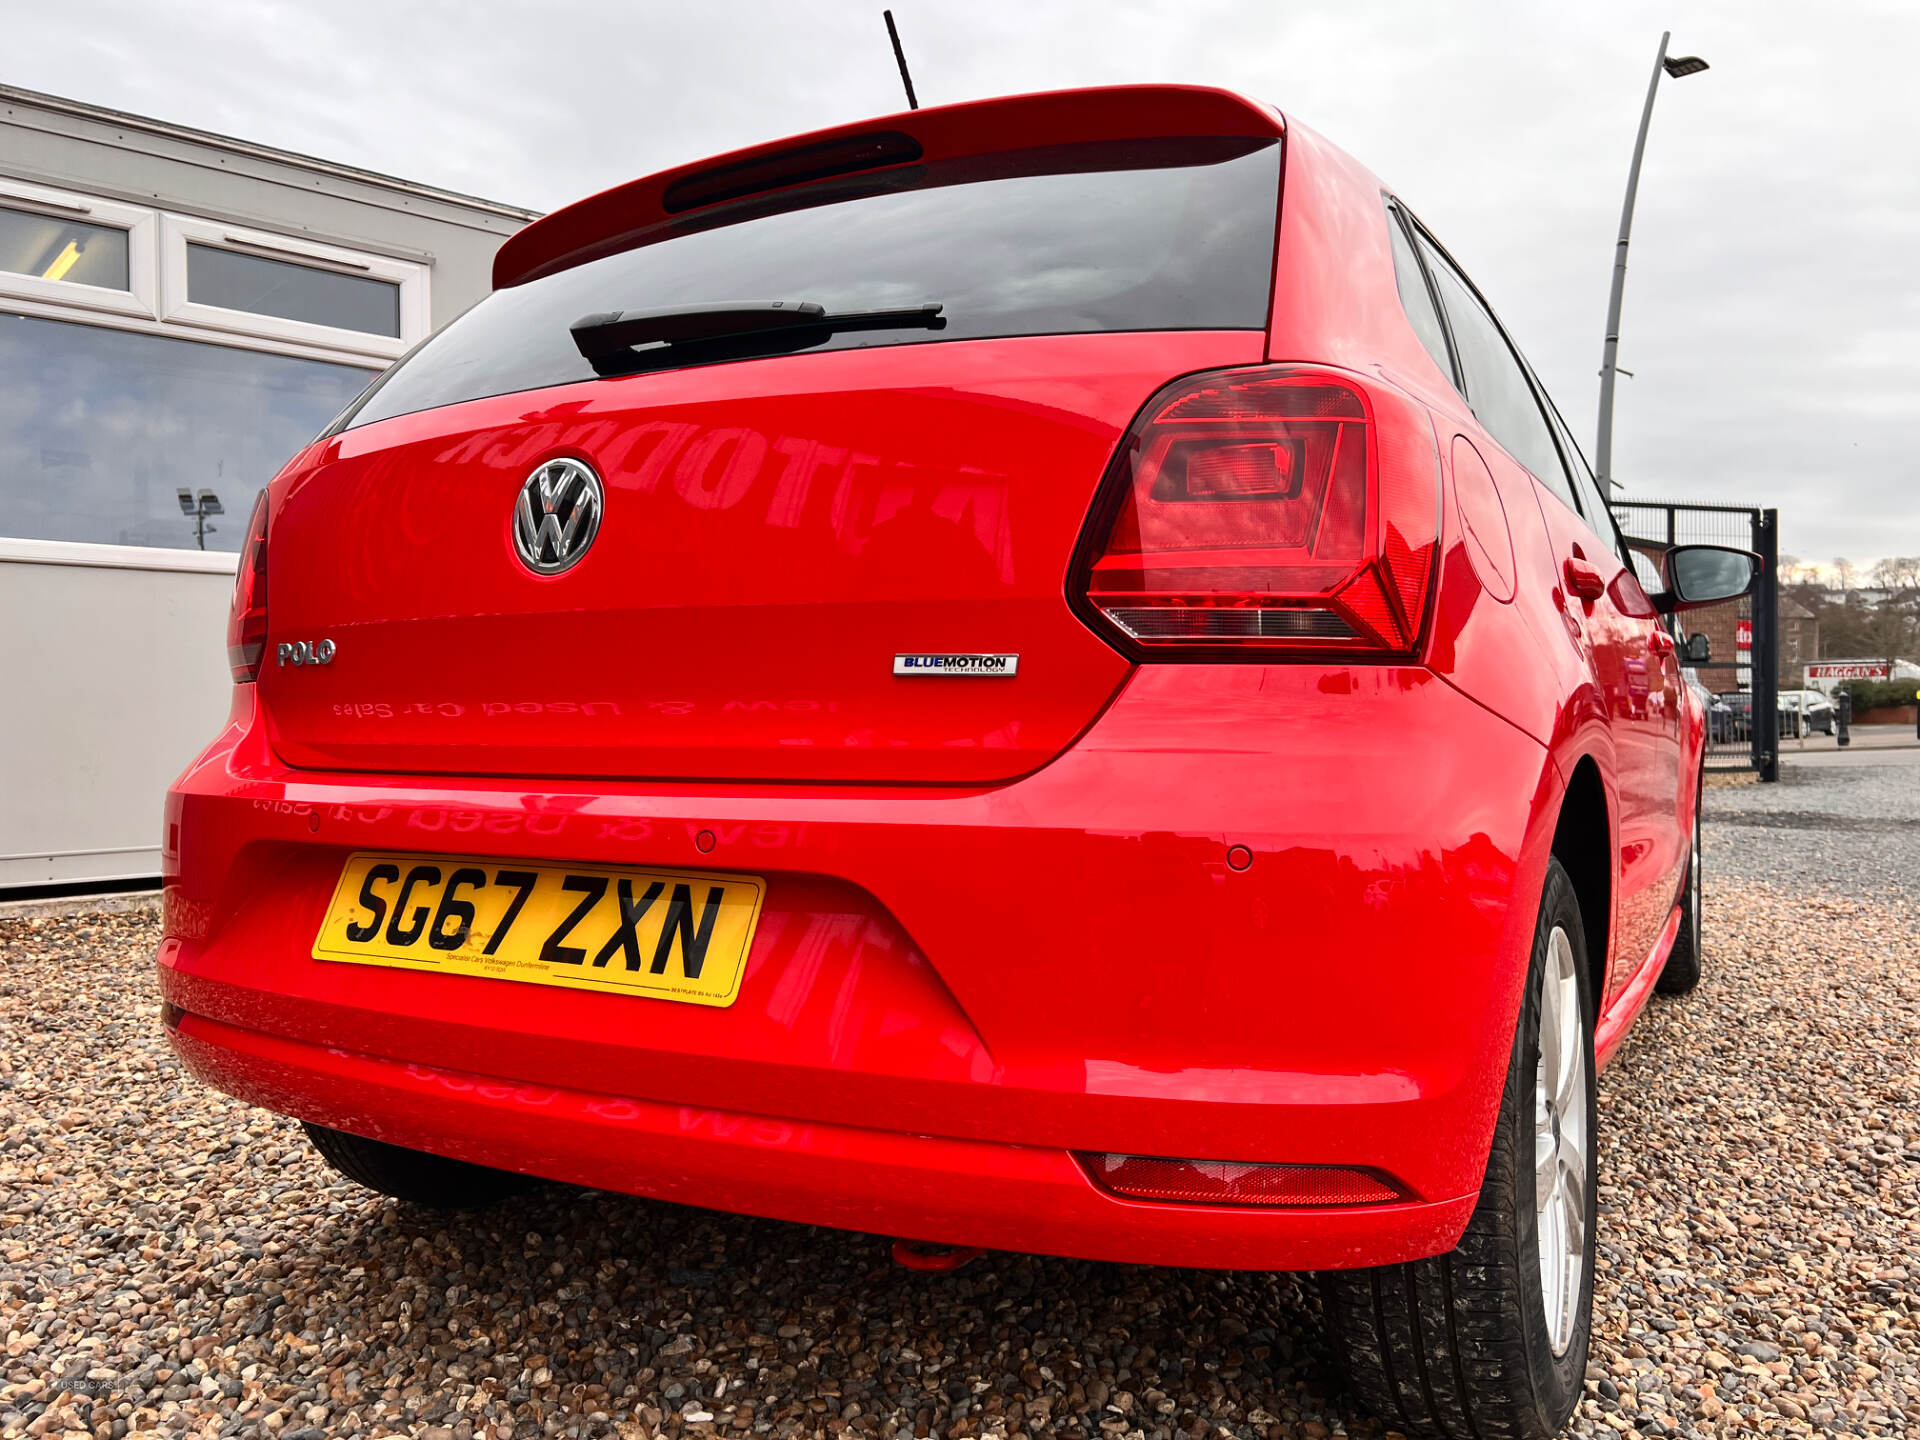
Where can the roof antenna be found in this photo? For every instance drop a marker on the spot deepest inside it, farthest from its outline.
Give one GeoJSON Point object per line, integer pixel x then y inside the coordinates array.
{"type": "Point", "coordinates": [901, 56]}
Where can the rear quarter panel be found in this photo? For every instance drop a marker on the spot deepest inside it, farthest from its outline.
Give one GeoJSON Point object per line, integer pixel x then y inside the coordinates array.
{"type": "Point", "coordinates": [1512, 647]}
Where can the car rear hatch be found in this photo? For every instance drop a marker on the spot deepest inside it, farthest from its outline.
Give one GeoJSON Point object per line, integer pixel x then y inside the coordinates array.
{"type": "Point", "coordinates": [791, 522]}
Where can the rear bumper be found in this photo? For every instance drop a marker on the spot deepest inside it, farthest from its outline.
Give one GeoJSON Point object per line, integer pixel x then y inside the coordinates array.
{"type": "Point", "coordinates": [962, 1192]}
{"type": "Point", "coordinates": [947, 985]}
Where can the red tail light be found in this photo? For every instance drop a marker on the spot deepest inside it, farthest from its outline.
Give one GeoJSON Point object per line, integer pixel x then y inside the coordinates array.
{"type": "Point", "coordinates": [1270, 512]}
{"type": "Point", "coordinates": [247, 621]}
{"type": "Point", "coordinates": [1226, 1182]}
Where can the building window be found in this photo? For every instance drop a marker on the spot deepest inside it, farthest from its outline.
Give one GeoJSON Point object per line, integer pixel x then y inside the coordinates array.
{"type": "Point", "coordinates": [156, 370]}
{"type": "Point", "coordinates": [77, 252]}
{"type": "Point", "coordinates": [51, 246]}
{"type": "Point", "coordinates": [101, 429]}
{"type": "Point", "coordinates": [273, 287]}
{"type": "Point", "coordinates": [235, 280]}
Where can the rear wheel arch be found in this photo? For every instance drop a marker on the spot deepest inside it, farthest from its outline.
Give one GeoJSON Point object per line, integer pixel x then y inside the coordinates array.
{"type": "Point", "coordinates": [1461, 1346]}
{"type": "Point", "coordinates": [1583, 844]}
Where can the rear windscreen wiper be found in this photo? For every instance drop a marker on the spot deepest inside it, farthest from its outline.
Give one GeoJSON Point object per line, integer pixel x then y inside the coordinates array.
{"type": "Point", "coordinates": [701, 332]}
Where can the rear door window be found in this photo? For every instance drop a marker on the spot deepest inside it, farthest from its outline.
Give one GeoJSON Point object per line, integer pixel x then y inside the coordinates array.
{"type": "Point", "coordinates": [1150, 235]}
{"type": "Point", "coordinates": [1416, 299]}
{"type": "Point", "coordinates": [1497, 387]}
{"type": "Point", "coordinates": [1595, 505]}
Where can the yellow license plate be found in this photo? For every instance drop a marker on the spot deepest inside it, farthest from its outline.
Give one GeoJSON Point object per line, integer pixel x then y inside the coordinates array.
{"type": "Point", "coordinates": [666, 934]}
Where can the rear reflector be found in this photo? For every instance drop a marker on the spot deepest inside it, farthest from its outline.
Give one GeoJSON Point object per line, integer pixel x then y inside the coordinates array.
{"type": "Point", "coordinates": [1268, 512]}
{"type": "Point", "coordinates": [1231, 1182]}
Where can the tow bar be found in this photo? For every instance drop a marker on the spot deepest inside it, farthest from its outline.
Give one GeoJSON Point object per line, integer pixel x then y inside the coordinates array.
{"type": "Point", "coordinates": [926, 1255]}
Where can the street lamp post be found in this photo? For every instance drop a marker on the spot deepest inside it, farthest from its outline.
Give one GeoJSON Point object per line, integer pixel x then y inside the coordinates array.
{"type": "Point", "coordinates": [1678, 67]}
{"type": "Point", "coordinates": [198, 509]}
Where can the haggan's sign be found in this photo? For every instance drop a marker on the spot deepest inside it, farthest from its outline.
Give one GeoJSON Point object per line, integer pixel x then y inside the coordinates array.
{"type": "Point", "coordinates": [1846, 672]}
{"type": "Point", "coordinates": [1743, 634]}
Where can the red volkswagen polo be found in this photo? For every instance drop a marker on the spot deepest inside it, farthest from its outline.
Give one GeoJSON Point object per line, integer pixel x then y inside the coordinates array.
{"type": "Point", "coordinates": [1037, 674]}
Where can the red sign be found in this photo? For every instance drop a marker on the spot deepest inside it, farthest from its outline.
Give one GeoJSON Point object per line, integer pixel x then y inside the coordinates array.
{"type": "Point", "coordinates": [1846, 672]}
{"type": "Point", "coordinates": [1743, 634]}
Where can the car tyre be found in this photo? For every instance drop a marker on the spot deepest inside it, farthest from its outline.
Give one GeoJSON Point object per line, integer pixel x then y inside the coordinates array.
{"type": "Point", "coordinates": [413, 1175]}
{"type": "Point", "coordinates": [1681, 973]}
{"type": "Point", "coordinates": [1472, 1344]}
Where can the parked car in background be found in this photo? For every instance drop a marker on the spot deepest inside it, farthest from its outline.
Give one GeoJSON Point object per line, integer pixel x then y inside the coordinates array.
{"type": "Point", "coordinates": [1709, 703]}
{"type": "Point", "coordinates": [954, 677]}
{"type": "Point", "coordinates": [1813, 710]}
{"type": "Point", "coordinates": [1720, 720]}
{"type": "Point", "coordinates": [1737, 706]}
{"type": "Point", "coordinates": [1719, 716]}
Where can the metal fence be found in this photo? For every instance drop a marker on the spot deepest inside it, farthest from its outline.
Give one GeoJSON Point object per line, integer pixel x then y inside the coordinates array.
{"type": "Point", "coordinates": [1743, 676]}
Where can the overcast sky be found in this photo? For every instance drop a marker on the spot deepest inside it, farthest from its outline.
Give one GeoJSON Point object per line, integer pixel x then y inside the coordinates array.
{"type": "Point", "coordinates": [1772, 317]}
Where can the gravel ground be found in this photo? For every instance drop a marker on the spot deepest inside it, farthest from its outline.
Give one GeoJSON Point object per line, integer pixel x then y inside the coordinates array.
{"type": "Point", "coordinates": [1844, 823]}
{"type": "Point", "coordinates": [173, 1261]}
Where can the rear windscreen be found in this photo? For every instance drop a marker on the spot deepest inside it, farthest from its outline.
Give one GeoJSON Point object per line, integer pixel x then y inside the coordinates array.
{"type": "Point", "coordinates": [1152, 235]}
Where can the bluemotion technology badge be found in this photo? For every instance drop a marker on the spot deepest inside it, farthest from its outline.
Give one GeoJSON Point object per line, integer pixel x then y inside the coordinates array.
{"type": "Point", "coordinates": [557, 515]}
{"type": "Point", "coordinates": [947, 664]}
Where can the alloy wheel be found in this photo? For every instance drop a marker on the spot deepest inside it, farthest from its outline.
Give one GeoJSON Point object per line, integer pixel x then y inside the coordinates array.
{"type": "Point", "coordinates": [1560, 1141]}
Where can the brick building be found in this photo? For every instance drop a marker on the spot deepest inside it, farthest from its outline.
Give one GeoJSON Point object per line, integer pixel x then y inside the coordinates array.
{"type": "Point", "coordinates": [1729, 630]}
{"type": "Point", "coordinates": [1799, 640]}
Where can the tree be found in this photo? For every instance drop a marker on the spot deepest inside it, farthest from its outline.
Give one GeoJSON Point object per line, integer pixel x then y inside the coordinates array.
{"type": "Point", "coordinates": [1896, 617]}
{"type": "Point", "coordinates": [1856, 622]}
{"type": "Point", "coordinates": [1795, 571]}
{"type": "Point", "coordinates": [1898, 573]}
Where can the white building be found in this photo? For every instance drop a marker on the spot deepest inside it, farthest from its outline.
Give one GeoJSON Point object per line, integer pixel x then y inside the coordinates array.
{"type": "Point", "coordinates": [179, 313]}
{"type": "Point", "coordinates": [1828, 675]}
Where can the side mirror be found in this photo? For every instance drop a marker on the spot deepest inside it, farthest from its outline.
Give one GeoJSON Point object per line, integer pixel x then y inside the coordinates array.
{"type": "Point", "coordinates": [1705, 575]}
{"type": "Point", "coordinates": [1699, 649]}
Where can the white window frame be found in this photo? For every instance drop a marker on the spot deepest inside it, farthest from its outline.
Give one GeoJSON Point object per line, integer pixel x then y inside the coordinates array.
{"type": "Point", "coordinates": [175, 308]}
{"type": "Point", "coordinates": [140, 298]}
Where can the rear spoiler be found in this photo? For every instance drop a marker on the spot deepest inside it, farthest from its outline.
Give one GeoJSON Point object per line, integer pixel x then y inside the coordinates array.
{"type": "Point", "coordinates": [620, 218]}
